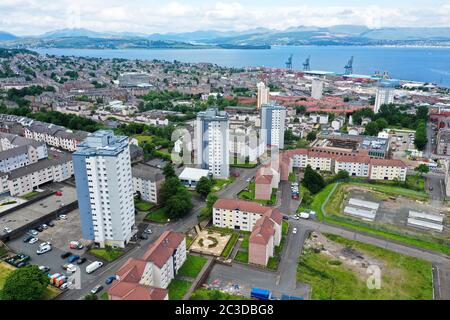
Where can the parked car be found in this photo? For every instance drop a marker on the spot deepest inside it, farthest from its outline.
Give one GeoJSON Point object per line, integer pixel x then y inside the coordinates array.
{"type": "Point", "coordinates": [73, 258]}
{"type": "Point", "coordinates": [294, 231]}
{"type": "Point", "coordinates": [304, 215]}
{"type": "Point", "coordinates": [40, 229]}
{"type": "Point", "coordinates": [33, 240]}
{"type": "Point", "coordinates": [109, 280]}
{"type": "Point", "coordinates": [64, 286]}
{"type": "Point", "coordinates": [143, 236]}
{"type": "Point", "coordinates": [27, 239]}
{"type": "Point", "coordinates": [62, 217]}
{"type": "Point", "coordinates": [71, 268]}
{"type": "Point", "coordinates": [44, 269]}
{"type": "Point", "coordinates": [148, 231]}
{"type": "Point", "coordinates": [33, 232]}
{"type": "Point", "coordinates": [65, 255]}
{"type": "Point", "coordinates": [44, 226]}
{"type": "Point", "coordinates": [22, 264]}
{"type": "Point", "coordinates": [81, 261]}
{"type": "Point", "coordinates": [51, 224]}
{"type": "Point", "coordinates": [296, 217]}
{"type": "Point", "coordinates": [75, 245]}
{"type": "Point", "coordinates": [285, 217]}
{"type": "Point", "coordinates": [7, 230]}
{"type": "Point", "coordinates": [44, 249]}
{"type": "Point", "coordinates": [97, 289]}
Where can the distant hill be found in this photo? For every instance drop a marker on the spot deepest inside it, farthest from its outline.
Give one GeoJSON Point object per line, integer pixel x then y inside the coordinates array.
{"type": "Point", "coordinates": [6, 36]}
{"type": "Point", "coordinates": [252, 38]}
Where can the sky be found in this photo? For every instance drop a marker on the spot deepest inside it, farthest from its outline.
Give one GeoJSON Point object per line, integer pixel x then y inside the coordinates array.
{"type": "Point", "coordinates": [32, 17]}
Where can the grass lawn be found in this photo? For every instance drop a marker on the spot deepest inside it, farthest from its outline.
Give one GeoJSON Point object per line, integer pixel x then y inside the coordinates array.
{"type": "Point", "coordinates": [30, 195]}
{"type": "Point", "coordinates": [284, 227]}
{"type": "Point", "coordinates": [104, 296]}
{"type": "Point", "coordinates": [402, 277]}
{"type": "Point", "coordinates": [178, 288]}
{"type": "Point", "coordinates": [6, 269]}
{"type": "Point", "coordinates": [242, 256]}
{"type": "Point", "coordinates": [220, 183]}
{"type": "Point", "coordinates": [142, 205]}
{"type": "Point", "coordinates": [107, 254]}
{"type": "Point", "coordinates": [192, 266]}
{"type": "Point", "coordinates": [230, 245]}
{"type": "Point", "coordinates": [245, 242]}
{"type": "Point", "coordinates": [158, 215]}
{"type": "Point", "coordinates": [206, 294]}
{"type": "Point", "coordinates": [272, 264]}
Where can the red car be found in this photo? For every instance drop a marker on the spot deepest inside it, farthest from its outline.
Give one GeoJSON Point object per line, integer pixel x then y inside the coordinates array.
{"type": "Point", "coordinates": [58, 193]}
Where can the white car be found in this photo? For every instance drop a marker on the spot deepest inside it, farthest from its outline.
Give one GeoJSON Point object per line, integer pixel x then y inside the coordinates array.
{"type": "Point", "coordinates": [44, 249]}
{"type": "Point", "coordinates": [71, 268]}
{"type": "Point", "coordinates": [148, 231]}
{"type": "Point", "coordinates": [294, 231]}
{"type": "Point", "coordinates": [249, 179]}
{"type": "Point", "coordinates": [43, 244]}
{"type": "Point", "coordinates": [63, 217]}
{"type": "Point", "coordinates": [33, 240]}
{"type": "Point", "coordinates": [296, 217]}
{"type": "Point", "coordinates": [7, 230]}
{"type": "Point", "coordinates": [304, 215]}
{"type": "Point", "coordinates": [64, 286]}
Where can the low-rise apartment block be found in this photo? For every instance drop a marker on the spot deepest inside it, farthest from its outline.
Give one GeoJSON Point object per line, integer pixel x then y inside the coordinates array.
{"type": "Point", "coordinates": [147, 278]}
{"type": "Point", "coordinates": [383, 169]}
{"type": "Point", "coordinates": [147, 182]}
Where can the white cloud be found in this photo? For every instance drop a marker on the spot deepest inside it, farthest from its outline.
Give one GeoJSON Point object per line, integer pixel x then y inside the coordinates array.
{"type": "Point", "coordinates": [38, 16]}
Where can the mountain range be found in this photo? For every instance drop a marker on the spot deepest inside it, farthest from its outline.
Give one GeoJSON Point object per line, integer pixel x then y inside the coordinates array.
{"type": "Point", "coordinates": [258, 37]}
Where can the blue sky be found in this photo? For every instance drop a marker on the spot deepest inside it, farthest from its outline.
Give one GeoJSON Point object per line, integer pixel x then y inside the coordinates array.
{"type": "Point", "coordinates": [29, 17]}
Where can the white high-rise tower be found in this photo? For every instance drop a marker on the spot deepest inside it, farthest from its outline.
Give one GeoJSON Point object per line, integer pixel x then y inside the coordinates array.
{"type": "Point", "coordinates": [102, 169]}
{"type": "Point", "coordinates": [263, 95]}
{"type": "Point", "coordinates": [273, 124]}
{"type": "Point", "coordinates": [385, 95]}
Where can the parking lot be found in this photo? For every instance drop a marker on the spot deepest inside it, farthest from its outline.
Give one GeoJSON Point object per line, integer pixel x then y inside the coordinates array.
{"type": "Point", "coordinates": [34, 211]}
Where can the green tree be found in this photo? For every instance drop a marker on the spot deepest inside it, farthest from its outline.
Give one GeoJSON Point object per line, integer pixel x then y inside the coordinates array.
{"type": "Point", "coordinates": [169, 171]}
{"type": "Point", "coordinates": [313, 180]}
{"type": "Point", "coordinates": [27, 283]}
{"type": "Point", "coordinates": [204, 186]}
{"type": "Point", "coordinates": [342, 175]}
{"type": "Point", "coordinates": [169, 188]}
{"type": "Point", "coordinates": [311, 136]}
{"type": "Point", "coordinates": [422, 168]}
{"type": "Point", "coordinates": [371, 129]}
{"type": "Point", "coordinates": [179, 205]}
{"type": "Point", "coordinates": [90, 296]}
{"type": "Point", "coordinates": [421, 136]}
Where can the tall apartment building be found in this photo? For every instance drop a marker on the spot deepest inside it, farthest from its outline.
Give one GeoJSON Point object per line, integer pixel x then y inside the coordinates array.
{"type": "Point", "coordinates": [385, 95]}
{"type": "Point", "coordinates": [263, 95]}
{"type": "Point", "coordinates": [447, 178]}
{"type": "Point", "coordinates": [272, 124]}
{"type": "Point", "coordinates": [212, 141]}
{"type": "Point", "coordinates": [317, 89]}
{"type": "Point", "coordinates": [102, 168]}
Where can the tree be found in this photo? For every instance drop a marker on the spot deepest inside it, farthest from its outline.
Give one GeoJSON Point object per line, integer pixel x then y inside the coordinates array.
{"type": "Point", "coordinates": [422, 168]}
{"type": "Point", "coordinates": [313, 180]}
{"type": "Point", "coordinates": [204, 186]}
{"type": "Point", "coordinates": [382, 123]}
{"type": "Point", "coordinates": [421, 139]}
{"type": "Point", "coordinates": [342, 175]}
{"type": "Point", "coordinates": [300, 109]}
{"type": "Point", "coordinates": [179, 205]}
{"type": "Point", "coordinates": [169, 188]}
{"type": "Point", "coordinates": [371, 129]}
{"type": "Point", "coordinates": [27, 283]}
{"type": "Point", "coordinates": [311, 136]}
{"type": "Point", "coordinates": [288, 136]}
{"type": "Point", "coordinates": [169, 171]}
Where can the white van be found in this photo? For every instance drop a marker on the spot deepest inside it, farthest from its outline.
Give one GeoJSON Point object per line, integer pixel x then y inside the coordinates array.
{"type": "Point", "coordinates": [93, 266]}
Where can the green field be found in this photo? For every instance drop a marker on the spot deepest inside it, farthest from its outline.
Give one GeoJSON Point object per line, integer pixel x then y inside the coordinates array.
{"type": "Point", "coordinates": [159, 215]}
{"type": "Point", "coordinates": [192, 266]}
{"type": "Point", "coordinates": [402, 277]}
{"type": "Point", "coordinates": [242, 256]}
{"type": "Point", "coordinates": [230, 245]}
{"type": "Point", "coordinates": [178, 288]}
{"type": "Point", "coordinates": [206, 294]}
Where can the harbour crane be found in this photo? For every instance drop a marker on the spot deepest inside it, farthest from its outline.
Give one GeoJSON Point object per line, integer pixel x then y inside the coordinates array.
{"type": "Point", "coordinates": [289, 63]}
{"type": "Point", "coordinates": [306, 66]}
{"type": "Point", "coordinates": [349, 67]}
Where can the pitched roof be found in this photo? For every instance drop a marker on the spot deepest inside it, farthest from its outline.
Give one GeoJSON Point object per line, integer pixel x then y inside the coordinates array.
{"type": "Point", "coordinates": [162, 249]}
{"type": "Point", "coordinates": [388, 162]}
{"type": "Point", "coordinates": [132, 270]}
{"type": "Point", "coordinates": [262, 231]}
{"type": "Point", "coordinates": [354, 159]}
{"type": "Point", "coordinates": [133, 291]}
{"type": "Point", "coordinates": [242, 205]}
